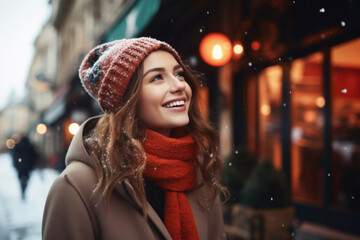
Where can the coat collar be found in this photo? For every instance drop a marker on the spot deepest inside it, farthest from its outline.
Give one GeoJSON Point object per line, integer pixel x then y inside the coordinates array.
{"type": "Point", "coordinates": [198, 199]}
{"type": "Point", "coordinates": [126, 190]}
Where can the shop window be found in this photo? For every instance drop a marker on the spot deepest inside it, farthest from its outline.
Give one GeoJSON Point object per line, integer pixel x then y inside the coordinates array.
{"type": "Point", "coordinates": [270, 82]}
{"type": "Point", "coordinates": [307, 102]}
{"type": "Point", "coordinates": [345, 163]}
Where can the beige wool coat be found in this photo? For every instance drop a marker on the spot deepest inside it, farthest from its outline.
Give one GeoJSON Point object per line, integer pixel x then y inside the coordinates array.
{"type": "Point", "coordinates": [72, 212]}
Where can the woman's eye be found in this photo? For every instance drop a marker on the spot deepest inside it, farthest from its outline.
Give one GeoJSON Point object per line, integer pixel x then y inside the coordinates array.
{"type": "Point", "coordinates": [156, 78]}
{"type": "Point", "coordinates": [180, 75]}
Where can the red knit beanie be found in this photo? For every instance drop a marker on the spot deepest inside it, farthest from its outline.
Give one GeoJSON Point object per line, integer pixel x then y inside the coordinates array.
{"type": "Point", "coordinates": [107, 69]}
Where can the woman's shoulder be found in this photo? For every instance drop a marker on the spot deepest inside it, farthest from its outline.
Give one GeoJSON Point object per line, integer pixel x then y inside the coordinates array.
{"type": "Point", "coordinates": [80, 176]}
{"type": "Point", "coordinates": [69, 202]}
{"type": "Point", "coordinates": [77, 150]}
{"type": "Point", "coordinates": [77, 180]}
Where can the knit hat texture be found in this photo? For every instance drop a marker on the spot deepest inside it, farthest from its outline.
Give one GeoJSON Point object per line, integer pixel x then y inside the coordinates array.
{"type": "Point", "coordinates": [107, 69]}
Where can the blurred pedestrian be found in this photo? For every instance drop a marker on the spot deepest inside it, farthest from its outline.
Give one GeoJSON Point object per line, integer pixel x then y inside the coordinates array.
{"type": "Point", "coordinates": [24, 159]}
{"type": "Point", "coordinates": [148, 168]}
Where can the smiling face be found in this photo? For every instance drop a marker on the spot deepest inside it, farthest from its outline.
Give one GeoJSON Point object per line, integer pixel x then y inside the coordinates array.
{"type": "Point", "coordinates": [165, 96]}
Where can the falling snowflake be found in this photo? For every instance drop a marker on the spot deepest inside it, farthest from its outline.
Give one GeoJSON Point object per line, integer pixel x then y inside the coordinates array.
{"type": "Point", "coordinates": [193, 62]}
{"type": "Point", "coordinates": [343, 24]}
{"type": "Point", "coordinates": [322, 10]}
{"type": "Point", "coordinates": [236, 152]}
{"type": "Point", "coordinates": [250, 64]}
{"type": "Point", "coordinates": [344, 90]}
{"type": "Point", "coordinates": [230, 164]}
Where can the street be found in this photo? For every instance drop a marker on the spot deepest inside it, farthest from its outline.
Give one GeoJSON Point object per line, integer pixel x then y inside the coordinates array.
{"type": "Point", "coordinates": [21, 219]}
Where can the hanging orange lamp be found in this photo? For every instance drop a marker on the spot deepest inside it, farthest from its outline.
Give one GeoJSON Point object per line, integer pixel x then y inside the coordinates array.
{"type": "Point", "coordinates": [216, 49]}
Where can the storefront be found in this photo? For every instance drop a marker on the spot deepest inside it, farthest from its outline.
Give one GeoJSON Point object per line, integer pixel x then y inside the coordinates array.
{"type": "Point", "coordinates": [304, 114]}
{"type": "Point", "coordinates": [71, 108]}
{"type": "Point", "coordinates": [294, 94]}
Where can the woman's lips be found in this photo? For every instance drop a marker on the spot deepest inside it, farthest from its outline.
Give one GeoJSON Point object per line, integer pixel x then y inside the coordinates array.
{"type": "Point", "coordinates": [177, 108]}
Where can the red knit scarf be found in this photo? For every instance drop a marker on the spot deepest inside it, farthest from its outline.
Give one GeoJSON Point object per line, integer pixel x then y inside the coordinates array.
{"type": "Point", "coordinates": [171, 165]}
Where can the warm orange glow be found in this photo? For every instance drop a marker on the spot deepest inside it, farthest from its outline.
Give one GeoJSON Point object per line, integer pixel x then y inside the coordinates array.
{"type": "Point", "coordinates": [203, 101]}
{"type": "Point", "coordinates": [238, 49]}
{"type": "Point", "coordinates": [320, 102]}
{"type": "Point", "coordinates": [10, 143]}
{"type": "Point", "coordinates": [310, 116]}
{"type": "Point", "coordinates": [217, 52]}
{"type": "Point", "coordinates": [265, 110]}
{"type": "Point", "coordinates": [41, 128]}
{"type": "Point", "coordinates": [215, 49]}
{"type": "Point", "coordinates": [255, 45]}
{"type": "Point", "coordinates": [73, 128]}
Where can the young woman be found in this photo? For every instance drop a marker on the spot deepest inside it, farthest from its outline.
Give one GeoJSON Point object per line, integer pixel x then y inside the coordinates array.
{"type": "Point", "coordinates": [148, 168]}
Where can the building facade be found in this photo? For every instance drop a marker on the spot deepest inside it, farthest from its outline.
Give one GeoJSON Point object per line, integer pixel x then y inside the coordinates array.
{"type": "Point", "coordinates": [14, 122]}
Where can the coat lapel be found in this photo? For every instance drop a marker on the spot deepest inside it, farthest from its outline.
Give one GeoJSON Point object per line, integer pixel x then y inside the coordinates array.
{"type": "Point", "coordinates": [158, 223]}
{"type": "Point", "coordinates": [199, 211]}
{"type": "Point", "coordinates": [127, 191]}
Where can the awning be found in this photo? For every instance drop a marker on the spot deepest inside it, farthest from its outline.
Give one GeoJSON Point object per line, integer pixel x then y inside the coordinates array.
{"type": "Point", "coordinates": [55, 112]}
{"type": "Point", "coordinates": [134, 22]}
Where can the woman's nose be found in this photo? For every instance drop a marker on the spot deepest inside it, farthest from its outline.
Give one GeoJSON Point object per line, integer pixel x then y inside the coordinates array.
{"type": "Point", "coordinates": [177, 85]}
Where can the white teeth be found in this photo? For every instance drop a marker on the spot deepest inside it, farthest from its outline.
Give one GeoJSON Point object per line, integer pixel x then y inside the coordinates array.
{"type": "Point", "coordinates": [175, 104]}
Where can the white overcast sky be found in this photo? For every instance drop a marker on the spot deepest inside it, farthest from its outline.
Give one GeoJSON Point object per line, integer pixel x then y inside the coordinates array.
{"type": "Point", "coordinates": [20, 23]}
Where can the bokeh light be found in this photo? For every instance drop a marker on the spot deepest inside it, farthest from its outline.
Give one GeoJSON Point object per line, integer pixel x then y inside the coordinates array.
{"type": "Point", "coordinates": [255, 45]}
{"type": "Point", "coordinates": [238, 49]}
{"type": "Point", "coordinates": [320, 102]}
{"type": "Point", "coordinates": [41, 128]}
{"type": "Point", "coordinates": [216, 49]}
{"type": "Point", "coordinates": [10, 143]}
{"type": "Point", "coordinates": [73, 128]}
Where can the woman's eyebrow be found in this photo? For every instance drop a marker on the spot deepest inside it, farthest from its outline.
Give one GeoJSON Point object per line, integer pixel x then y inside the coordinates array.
{"type": "Point", "coordinates": [161, 69]}
{"type": "Point", "coordinates": [177, 67]}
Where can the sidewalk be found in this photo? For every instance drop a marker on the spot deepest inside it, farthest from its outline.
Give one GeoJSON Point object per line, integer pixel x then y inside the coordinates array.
{"type": "Point", "coordinates": [309, 231]}
{"type": "Point", "coordinates": [21, 220]}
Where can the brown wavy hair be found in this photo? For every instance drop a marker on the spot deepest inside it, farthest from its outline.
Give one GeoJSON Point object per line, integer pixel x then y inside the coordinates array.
{"type": "Point", "coordinates": [117, 152]}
